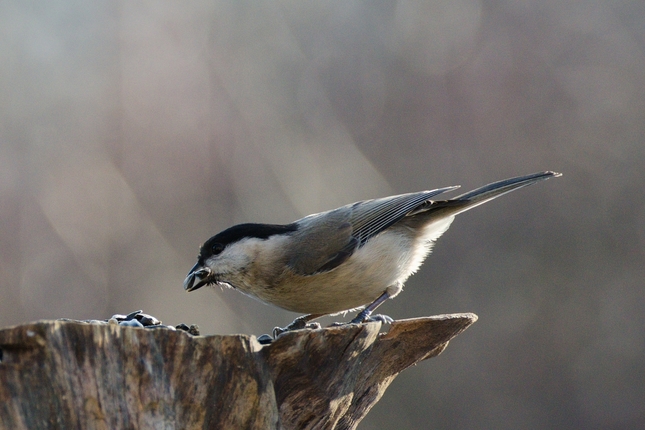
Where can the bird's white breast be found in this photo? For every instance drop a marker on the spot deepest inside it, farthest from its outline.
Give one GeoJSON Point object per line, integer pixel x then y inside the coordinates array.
{"type": "Point", "coordinates": [383, 263]}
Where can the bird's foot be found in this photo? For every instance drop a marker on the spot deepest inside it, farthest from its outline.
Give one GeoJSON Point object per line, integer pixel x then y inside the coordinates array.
{"type": "Point", "coordinates": [303, 323]}
{"type": "Point", "coordinates": [360, 318]}
{"type": "Point", "coordinates": [297, 324]}
{"type": "Point", "coordinates": [383, 319]}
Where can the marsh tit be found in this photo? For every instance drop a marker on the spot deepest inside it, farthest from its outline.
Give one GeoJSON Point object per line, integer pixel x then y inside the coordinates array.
{"type": "Point", "coordinates": [353, 257]}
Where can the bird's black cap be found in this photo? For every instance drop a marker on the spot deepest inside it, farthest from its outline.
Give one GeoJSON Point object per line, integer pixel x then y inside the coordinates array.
{"type": "Point", "coordinates": [217, 243]}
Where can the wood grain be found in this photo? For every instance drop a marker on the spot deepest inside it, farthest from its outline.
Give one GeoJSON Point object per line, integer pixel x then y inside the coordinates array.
{"type": "Point", "coordinates": [73, 375]}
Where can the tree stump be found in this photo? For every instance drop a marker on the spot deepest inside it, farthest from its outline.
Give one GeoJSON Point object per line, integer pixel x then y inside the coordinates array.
{"type": "Point", "coordinates": [73, 375]}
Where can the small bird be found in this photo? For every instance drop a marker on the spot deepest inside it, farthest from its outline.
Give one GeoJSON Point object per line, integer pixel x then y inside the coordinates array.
{"type": "Point", "coordinates": [353, 257]}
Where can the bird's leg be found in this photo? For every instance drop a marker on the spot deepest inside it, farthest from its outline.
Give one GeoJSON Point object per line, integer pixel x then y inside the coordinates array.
{"type": "Point", "coordinates": [366, 314]}
{"type": "Point", "coordinates": [303, 321]}
{"type": "Point", "coordinates": [298, 323]}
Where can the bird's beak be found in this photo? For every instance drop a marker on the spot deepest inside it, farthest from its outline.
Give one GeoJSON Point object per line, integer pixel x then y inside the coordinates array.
{"type": "Point", "coordinates": [197, 277]}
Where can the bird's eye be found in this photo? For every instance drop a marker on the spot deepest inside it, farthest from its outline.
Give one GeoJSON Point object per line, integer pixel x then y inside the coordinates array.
{"type": "Point", "coordinates": [217, 248]}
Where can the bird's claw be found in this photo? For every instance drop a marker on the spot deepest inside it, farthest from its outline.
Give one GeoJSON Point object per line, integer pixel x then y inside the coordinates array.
{"type": "Point", "coordinates": [303, 323]}
{"type": "Point", "coordinates": [383, 319]}
{"type": "Point", "coordinates": [297, 324]}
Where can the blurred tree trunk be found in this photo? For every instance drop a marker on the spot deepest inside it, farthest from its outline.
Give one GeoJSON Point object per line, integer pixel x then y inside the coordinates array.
{"type": "Point", "coordinates": [56, 374]}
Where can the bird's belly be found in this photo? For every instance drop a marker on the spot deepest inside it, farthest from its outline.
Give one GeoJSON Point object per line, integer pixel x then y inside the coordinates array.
{"type": "Point", "coordinates": [355, 283]}
{"type": "Point", "coordinates": [326, 293]}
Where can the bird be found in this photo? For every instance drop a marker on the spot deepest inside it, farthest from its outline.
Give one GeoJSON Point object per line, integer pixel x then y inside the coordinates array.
{"type": "Point", "coordinates": [351, 258]}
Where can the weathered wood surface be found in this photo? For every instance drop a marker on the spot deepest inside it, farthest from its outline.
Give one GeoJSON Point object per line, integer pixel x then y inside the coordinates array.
{"type": "Point", "coordinates": [68, 375]}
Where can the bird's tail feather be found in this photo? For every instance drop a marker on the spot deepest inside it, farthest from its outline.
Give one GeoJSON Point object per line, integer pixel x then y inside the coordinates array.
{"type": "Point", "coordinates": [474, 198]}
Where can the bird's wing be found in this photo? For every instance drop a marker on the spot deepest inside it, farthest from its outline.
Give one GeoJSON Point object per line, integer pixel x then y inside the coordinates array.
{"type": "Point", "coordinates": [332, 237]}
{"type": "Point", "coordinates": [371, 217]}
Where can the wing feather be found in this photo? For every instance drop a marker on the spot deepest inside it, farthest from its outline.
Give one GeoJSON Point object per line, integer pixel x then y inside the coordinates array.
{"type": "Point", "coordinates": [332, 237]}
{"type": "Point", "coordinates": [371, 217]}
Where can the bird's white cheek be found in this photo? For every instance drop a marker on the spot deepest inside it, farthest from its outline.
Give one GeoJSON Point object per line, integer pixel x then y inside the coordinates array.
{"type": "Point", "coordinates": [228, 264]}
{"type": "Point", "coordinates": [249, 264]}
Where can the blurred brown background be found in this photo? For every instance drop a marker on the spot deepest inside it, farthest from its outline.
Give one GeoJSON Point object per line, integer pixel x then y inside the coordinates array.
{"type": "Point", "coordinates": [131, 131]}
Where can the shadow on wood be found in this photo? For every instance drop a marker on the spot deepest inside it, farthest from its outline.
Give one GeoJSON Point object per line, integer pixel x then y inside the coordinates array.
{"type": "Point", "coordinates": [56, 374]}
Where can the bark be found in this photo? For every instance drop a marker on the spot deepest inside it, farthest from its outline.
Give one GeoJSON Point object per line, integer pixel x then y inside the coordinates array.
{"type": "Point", "coordinates": [73, 375]}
